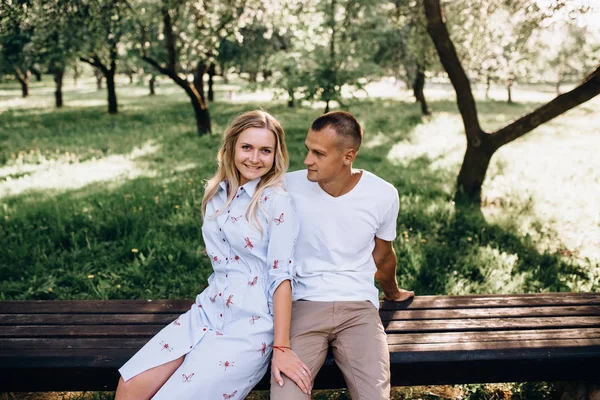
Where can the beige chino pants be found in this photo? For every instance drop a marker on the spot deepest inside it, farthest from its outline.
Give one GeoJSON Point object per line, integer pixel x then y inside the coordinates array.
{"type": "Point", "coordinates": [354, 331]}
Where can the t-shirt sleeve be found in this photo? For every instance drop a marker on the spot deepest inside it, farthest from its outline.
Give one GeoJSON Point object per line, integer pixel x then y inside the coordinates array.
{"type": "Point", "coordinates": [283, 232]}
{"type": "Point", "coordinates": [388, 222]}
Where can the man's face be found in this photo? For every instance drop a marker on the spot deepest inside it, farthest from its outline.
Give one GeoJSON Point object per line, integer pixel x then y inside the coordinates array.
{"type": "Point", "coordinates": [324, 160]}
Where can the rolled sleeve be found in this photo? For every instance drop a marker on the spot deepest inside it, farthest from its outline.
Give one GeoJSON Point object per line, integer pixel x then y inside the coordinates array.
{"type": "Point", "coordinates": [283, 232]}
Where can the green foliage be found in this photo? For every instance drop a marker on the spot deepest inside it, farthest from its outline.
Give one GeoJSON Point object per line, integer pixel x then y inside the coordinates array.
{"type": "Point", "coordinates": [16, 31]}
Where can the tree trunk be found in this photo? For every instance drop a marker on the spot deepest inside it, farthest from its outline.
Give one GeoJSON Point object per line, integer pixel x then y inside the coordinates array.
{"type": "Point", "coordinates": [151, 84]}
{"type": "Point", "coordinates": [130, 75]}
{"type": "Point", "coordinates": [198, 102]}
{"type": "Point", "coordinates": [418, 87]}
{"type": "Point", "coordinates": [38, 75]}
{"type": "Point", "coordinates": [224, 73]}
{"type": "Point", "coordinates": [23, 78]}
{"type": "Point", "coordinates": [211, 74]}
{"type": "Point", "coordinates": [112, 94]}
{"type": "Point", "coordinates": [557, 87]}
{"type": "Point", "coordinates": [76, 73]}
{"type": "Point", "coordinates": [59, 73]}
{"type": "Point", "coordinates": [199, 79]}
{"type": "Point", "coordinates": [99, 77]}
{"type": "Point", "coordinates": [509, 85]}
{"type": "Point", "coordinates": [472, 174]}
{"type": "Point", "coordinates": [488, 84]}
{"type": "Point", "coordinates": [481, 145]}
{"type": "Point", "coordinates": [291, 99]}
{"type": "Point", "coordinates": [326, 107]}
{"type": "Point", "coordinates": [200, 109]}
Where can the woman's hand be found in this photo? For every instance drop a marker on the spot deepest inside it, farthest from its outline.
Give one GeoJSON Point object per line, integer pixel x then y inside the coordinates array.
{"type": "Point", "coordinates": [286, 361]}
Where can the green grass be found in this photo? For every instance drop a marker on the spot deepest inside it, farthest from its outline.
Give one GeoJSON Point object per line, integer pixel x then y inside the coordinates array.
{"type": "Point", "coordinates": [94, 206]}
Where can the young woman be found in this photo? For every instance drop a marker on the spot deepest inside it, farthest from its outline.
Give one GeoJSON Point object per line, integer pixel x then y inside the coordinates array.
{"type": "Point", "coordinates": [221, 347]}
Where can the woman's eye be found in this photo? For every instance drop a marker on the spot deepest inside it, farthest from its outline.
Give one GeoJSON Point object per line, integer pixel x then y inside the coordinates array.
{"type": "Point", "coordinates": [267, 151]}
{"type": "Point", "coordinates": [245, 147]}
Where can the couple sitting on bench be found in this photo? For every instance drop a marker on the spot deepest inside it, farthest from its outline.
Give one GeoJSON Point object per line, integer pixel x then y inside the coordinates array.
{"type": "Point", "coordinates": [318, 237]}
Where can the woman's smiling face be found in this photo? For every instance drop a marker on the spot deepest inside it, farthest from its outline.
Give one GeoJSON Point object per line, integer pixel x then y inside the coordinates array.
{"type": "Point", "coordinates": [254, 153]}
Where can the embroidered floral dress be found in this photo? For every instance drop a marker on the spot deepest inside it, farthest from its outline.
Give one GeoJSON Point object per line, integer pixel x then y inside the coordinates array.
{"type": "Point", "coordinates": [226, 334]}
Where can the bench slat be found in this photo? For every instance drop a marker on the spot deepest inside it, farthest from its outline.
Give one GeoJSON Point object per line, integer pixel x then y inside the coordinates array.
{"type": "Point", "coordinates": [492, 336]}
{"type": "Point", "coordinates": [490, 324]}
{"type": "Point", "coordinates": [393, 339]}
{"type": "Point", "coordinates": [400, 315]}
{"type": "Point", "coordinates": [181, 306]}
{"type": "Point", "coordinates": [498, 312]}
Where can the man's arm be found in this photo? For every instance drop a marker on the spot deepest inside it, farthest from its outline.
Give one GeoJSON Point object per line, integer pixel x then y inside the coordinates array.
{"type": "Point", "coordinates": [385, 260]}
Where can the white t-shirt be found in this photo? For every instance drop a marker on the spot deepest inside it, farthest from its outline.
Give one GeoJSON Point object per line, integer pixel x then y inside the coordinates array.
{"type": "Point", "coordinates": [337, 237]}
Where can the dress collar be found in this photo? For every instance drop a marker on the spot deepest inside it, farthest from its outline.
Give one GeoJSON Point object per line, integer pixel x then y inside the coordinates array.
{"type": "Point", "coordinates": [248, 187]}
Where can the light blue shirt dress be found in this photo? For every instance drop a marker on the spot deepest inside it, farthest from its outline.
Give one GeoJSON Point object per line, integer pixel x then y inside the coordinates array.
{"type": "Point", "coordinates": [227, 333]}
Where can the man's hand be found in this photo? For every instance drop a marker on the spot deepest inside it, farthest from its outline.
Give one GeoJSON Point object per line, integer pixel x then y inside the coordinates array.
{"type": "Point", "coordinates": [400, 295]}
{"type": "Point", "coordinates": [286, 361]}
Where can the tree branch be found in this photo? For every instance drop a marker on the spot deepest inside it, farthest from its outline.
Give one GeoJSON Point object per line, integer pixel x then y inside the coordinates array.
{"type": "Point", "coordinates": [589, 88]}
{"type": "Point", "coordinates": [170, 40]}
{"type": "Point", "coordinates": [94, 61]}
{"type": "Point", "coordinates": [466, 103]}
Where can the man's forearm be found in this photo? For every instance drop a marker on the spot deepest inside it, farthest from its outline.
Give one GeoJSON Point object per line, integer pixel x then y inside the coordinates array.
{"type": "Point", "coordinates": [386, 275]}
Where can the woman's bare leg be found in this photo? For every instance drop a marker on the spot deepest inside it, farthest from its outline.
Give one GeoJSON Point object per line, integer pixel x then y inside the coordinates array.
{"type": "Point", "coordinates": [146, 384]}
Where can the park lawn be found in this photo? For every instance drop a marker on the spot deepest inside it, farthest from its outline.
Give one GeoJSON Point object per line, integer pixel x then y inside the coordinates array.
{"type": "Point", "coordinates": [94, 206]}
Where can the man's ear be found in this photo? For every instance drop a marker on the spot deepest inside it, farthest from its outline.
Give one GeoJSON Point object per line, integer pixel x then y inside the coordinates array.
{"type": "Point", "coordinates": [349, 156]}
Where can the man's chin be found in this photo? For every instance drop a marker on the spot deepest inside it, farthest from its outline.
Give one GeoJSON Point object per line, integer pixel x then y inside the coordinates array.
{"type": "Point", "coordinates": [312, 176]}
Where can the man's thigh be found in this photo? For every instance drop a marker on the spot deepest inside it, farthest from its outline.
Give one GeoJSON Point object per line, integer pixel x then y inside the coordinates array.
{"type": "Point", "coordinates": [309, 338]}
{"type": "Point", "coordinates": [361, 351]}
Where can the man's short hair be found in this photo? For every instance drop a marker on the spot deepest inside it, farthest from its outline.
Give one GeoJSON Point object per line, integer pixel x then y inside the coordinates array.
{"type": "Point", "coordinates": [345, 125]}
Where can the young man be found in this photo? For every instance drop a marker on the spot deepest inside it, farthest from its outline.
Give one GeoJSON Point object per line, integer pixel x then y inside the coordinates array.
{"type": "Point", "coordinates": [347, 224]}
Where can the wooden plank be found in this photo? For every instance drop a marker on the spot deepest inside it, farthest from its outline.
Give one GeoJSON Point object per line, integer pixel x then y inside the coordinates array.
{"type": "Point", "coordinates": [181, 306]}
{"type": "Point", "coordinates": [72, 343]}
{"type": "Point", "coordinates": [498, 312]}
{"type": "Point", "coordinates": [491, 324]}
{"type": "Point", "coordinates": [395, 339]}
{"type": "Point", "coordinates": [502, 349]}
{"type": "Point", "coordinates": [80, 331]}
{"type": "Point", "coordinates": [114, 358]}
{"type": "Point", "coordinates": [493, 336]}
{"type": "Point", "coordinates": [95, 306]}
{"type": "Point", "coordinates": [166, 318]}
{"type": "Point", "coordinates": [495, 300]}
{"type": "Point", "coordinates": [86, 319]}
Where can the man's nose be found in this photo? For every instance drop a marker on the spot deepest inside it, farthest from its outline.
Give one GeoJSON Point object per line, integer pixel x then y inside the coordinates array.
{"type": "Point", "coordinates": [308, 160]}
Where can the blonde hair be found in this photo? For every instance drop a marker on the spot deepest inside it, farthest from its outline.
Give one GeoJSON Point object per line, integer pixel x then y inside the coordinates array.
{"type": "Point", "coordinates": [228, 172]}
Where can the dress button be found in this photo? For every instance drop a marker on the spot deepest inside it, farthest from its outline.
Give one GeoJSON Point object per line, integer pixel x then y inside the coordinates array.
{"type": "Point", "coordinates": [220, 315]}
{"type": "Point", "coordinates": [224, 240]}
{"type": "Point", "coordinates": [219, 294]}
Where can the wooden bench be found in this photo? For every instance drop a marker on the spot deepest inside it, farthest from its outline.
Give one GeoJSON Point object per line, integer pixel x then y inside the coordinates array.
{"type": "Point", "coordinates": [79, 345]}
